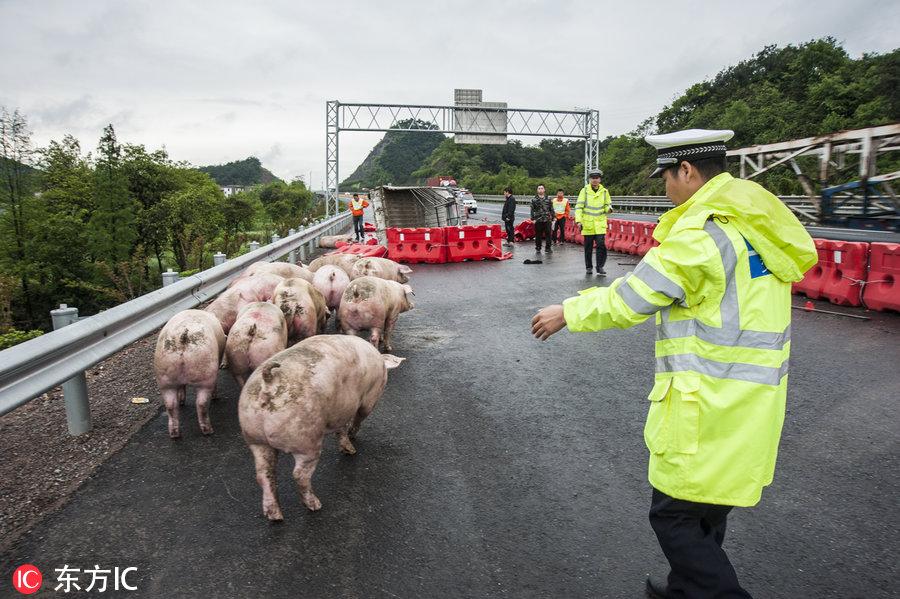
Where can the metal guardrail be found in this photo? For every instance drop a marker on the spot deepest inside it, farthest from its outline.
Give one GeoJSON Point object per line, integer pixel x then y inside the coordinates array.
{"type": "Point", "coordinates": [31, 368]}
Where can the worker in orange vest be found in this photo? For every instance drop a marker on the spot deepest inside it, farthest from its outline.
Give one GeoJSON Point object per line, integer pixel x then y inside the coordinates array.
{"type": "Point", "coordinates": [356, 209]}
{"type": "Point", "coordinates": [560, 214]}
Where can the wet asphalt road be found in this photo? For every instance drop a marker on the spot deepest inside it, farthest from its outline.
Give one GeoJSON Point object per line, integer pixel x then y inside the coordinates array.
{"type": "Point", "coordinates": [500, 466]}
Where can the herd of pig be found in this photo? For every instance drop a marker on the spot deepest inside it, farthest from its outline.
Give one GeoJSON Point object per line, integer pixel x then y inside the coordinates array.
{"type": "Point", "coordinates": [297, 384]}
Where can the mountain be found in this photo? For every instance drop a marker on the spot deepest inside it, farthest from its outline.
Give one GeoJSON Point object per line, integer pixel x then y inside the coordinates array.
{"type": "Point", "coordinates": [249, 171]}
{"type": "Point", "coordinates": [396, 157]}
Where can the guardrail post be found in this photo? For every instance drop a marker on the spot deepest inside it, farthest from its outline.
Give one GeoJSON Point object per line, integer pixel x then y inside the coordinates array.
{"type": "Point", "coordinates": [75, 393]}
{"type": "Point", "coordinates": [218, 258]}
{"type": "Point", "coordinates": [254, 245]}
{"type": "Point", "coordinates": [275, 238]}
{"type": "Point", "coordinates": [169, 277]}
{"type": "Point", "coordinates": [292, 255]}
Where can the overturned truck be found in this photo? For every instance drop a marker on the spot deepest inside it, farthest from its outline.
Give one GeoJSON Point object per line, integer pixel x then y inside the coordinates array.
{"type": "Point", "coordinates": [415, 207]}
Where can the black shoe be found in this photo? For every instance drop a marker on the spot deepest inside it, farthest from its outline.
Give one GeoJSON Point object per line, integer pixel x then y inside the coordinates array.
{"type": "Point", "coordinates": [590, 271]}
{"type": "Point", "coordinates": [549, 250]}
{"type": "Point", "coordinates": [655, 590]}
{"type": "Point", "coordinates": [601, 272]}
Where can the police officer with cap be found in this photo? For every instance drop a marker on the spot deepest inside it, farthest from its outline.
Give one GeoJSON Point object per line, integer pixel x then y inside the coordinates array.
{"type": "Point", "coordinates": [719, 287]}
{"type": "Point", "coordinates": [590, 214]}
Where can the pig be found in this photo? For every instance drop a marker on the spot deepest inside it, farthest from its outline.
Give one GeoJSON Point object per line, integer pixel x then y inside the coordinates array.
{"type": "Point", "coordinates": [242, 291]}
{"type": "Point", "coordinates": [282, 269]}
{"type": "Point", "coordinates": [382, 268]}
{"type": "Point", "coordinates": [259, 333]}
{"type": "Point", "coordinates": [374, 304]}
{"type": "Point", "coordinates": [331, 281]}
{"type": "Point", "coordinates": [303, 307]}
{"type": "Point", "coordinates": [343, 261]}
{"type": "Point", "coordinates": [298, 396]}
{"type": "Point", "coordinates": [188, 351]}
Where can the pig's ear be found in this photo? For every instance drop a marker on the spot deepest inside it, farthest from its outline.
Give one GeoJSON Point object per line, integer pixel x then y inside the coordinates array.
{"type": "Point", "coordinates": [408, 289]}
{"type": "Point", "coordinates": [404, 269]}
{"type": "Point", "coordinates": [391, 361]}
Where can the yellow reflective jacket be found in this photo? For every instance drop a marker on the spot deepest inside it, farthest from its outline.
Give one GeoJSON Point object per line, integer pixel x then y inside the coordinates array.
{"type": "Point", "coordinates": [591, 209]}
{"type": "Point", "coordinates": [719, 284]}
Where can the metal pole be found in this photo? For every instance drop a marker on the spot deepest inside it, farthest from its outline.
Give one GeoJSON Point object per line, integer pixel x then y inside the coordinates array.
{"type": "Point", "coordinates": [169, 277]}
{"type": "Point", "coordinates": [75, 393]}
{"type": "Point", "coordinates": [218, 258]}
{"type": "Point", "coordinates": [292, 255]}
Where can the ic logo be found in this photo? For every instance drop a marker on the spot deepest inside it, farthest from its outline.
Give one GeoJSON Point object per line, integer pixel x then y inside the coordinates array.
{"type": "Point", "coordinates": [27, 579]}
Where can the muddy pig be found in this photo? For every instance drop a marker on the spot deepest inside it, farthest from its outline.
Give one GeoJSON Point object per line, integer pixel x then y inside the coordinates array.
{"type": "Point", "coordinates": [373, 304]}
{"type": "Point", "coordinates": [298, 396]}
{"type": "Point", "coordinates": [343, 261]}
{"type": "Point", "coordinates": [381, 268]}
{"type": "Point", "coordinates": [331, 281]}
{"type": "Point", "coordinates": [243, 291]}
{"type": "Point", "coordinates": [303, 307]}
{"type": "Point", "coordinates": [188, 351]}
{"type": "Point", "coordinates": [259, 333]}
{"type": "Point", "coordinates": [282, 269]}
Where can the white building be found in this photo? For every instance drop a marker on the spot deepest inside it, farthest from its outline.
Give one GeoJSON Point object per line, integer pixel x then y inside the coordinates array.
{"type": "Point", "coordinates": [230, 190]}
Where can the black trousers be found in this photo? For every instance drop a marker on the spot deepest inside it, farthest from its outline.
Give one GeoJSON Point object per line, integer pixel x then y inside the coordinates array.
{"type": "Point", "coordinates": [510, 231]}
{"type": "Point", "coordinates": [559, 230]}
{"type": "Point", "coordinates": [542, 233]}
{"type": "Point", "coordinates": [358, 228]}
{"type": "Point", "coordinates": [691, 536]}
{"type": "Point", "coordinates": [589, 250]}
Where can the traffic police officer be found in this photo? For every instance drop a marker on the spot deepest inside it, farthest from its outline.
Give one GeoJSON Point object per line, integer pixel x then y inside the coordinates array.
{"type": "Point", "coordinates": [719, 285]}
{"type": "Point", "coordinates": [590, 214]}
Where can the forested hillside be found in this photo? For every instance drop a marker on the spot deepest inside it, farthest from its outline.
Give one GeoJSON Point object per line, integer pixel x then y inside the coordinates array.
{"type": "Point", "coordinates": [778, 94]}
{"type": "Point", "coordinates": [249, 171]}
{"type": "Point", "coordinates": [395, 157]}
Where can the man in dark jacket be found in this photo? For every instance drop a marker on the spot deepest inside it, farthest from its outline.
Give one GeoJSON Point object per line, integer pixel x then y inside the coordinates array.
{"type": "Point", "coordinates": [508, 216]}
{"type": "Point", "coordinates": [542, 215]}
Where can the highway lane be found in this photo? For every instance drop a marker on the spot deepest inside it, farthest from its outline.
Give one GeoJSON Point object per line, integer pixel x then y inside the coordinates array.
{"type": "Point", "coordinates": [500, 466]}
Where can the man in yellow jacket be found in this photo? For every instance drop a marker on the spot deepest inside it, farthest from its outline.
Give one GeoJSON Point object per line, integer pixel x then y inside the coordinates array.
{"type": "Point", "coordinates": [590, 214]}
{"type": "Point", "coordinates": [719, 285]}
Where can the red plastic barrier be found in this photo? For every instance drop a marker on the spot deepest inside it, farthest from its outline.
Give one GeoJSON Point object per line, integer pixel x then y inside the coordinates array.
{"type": "Point", "coordinates": [846, 269]}
{"type": "Point", "coordinates": [811, 285]}
{"type": "Point", "coordinates": [524, 230]}
{"type": "Point", "coordinates": [571, 229]}
{"type": "Point", "coordinates": [369, 227]}
{"type": "Point", "coordinates": [611, 232]}
{"type": "Point", "coordinates": [340, 244]}
{"type": "Point", "coordinates": [646, 241]}
{"type": "Point", "coordinates": [473, 242]}
{"type": "Point", "coordinates": [371, 241]}
{"type": "Point", "coordinates": [882, 291]}
{"type": "Point", "coordinates": [626, 234]}
{"type": "Point", "coordinates": [413, 246]}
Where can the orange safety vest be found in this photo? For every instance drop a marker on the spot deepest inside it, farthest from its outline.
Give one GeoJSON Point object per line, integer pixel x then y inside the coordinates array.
{"type": "Point", "coordinates": [561, 208]}
{"type": "Point", "coordinates": [357, 205]}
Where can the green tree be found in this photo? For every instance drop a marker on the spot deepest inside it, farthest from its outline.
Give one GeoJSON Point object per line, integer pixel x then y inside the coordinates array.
{"type": "Point", "coordinates": [193, 216]}
{"type": "Point", "coordinates": [17, 202]}
{"type": "Point", "coordinates": [114, 219]}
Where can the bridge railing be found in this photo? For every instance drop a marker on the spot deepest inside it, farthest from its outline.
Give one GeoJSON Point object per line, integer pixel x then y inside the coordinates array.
{"type": "Point", "coordinates": [31, 368]}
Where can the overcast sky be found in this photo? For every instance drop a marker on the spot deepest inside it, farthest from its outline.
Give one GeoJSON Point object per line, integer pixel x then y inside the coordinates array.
{"type": "Point", "coordinates": [219, 81]}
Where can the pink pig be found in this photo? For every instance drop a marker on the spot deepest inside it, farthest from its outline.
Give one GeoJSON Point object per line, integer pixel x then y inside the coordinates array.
{"type": "Point", "coordinates": [331, 281]}
{"type": "Point", "coordinates": [303, 307]}
{"type": "Point", "coordinates": [259, 333]}
{"type": "Point", "coordinates": [373, 304]}
{"type": "Point", "coordinates": [298, 396]}
{"type": "Point", "coordinates": [382, 268]}
{"type": "Point", "coordinates": [188, 351]}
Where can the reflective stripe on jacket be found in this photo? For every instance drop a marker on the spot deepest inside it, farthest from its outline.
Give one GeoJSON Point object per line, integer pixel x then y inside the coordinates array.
{"type": "Point", "coordinates": [357, 205]}
{"type": "Point", "coordinates": [560, 208]}
{"type": "Point", "coordinates": [591, 209]}
{"type": "Point", "coordinates": [719, 284]}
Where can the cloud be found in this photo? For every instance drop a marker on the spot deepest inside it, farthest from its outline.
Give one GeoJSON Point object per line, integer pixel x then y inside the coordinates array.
{"type": "Point", "coordinates": [218, 81]}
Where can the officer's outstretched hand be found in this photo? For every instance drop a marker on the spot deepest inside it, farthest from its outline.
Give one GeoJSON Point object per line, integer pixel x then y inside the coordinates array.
{"type": "Point", "coordinates": [547, 321]}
